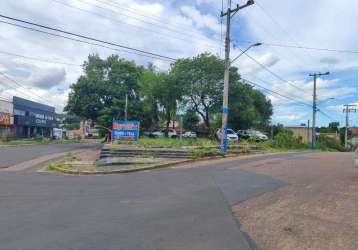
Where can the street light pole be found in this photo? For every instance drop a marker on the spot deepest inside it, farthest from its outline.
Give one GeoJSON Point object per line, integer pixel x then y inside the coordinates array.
{"type": "Point", "coordinates": [229, 15]}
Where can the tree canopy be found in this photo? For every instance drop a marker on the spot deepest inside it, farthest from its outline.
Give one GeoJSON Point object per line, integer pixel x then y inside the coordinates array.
{"type": "Point", "coordinates": [154, 97]}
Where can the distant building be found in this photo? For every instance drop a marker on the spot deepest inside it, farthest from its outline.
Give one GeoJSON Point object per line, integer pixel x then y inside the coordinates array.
{"type": "Point", "coordinates": [303, 133]}
{"type": "Point", "coordinates": [33, 119]}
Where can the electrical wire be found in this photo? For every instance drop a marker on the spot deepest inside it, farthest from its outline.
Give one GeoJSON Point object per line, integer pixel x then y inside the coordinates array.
{"type": "Point", "coordinates": [21, 86]}
{"type": "Point", "coordinates": [156, 19]}
{"type": "Point", "coordinates": [130, 24]}
{"type": "Point", "coordinates": [83, 41]}
{"type": "Point", "coordinates": [39, 59]}
{"type": "Point", "coordinates": [277, 93]}
{"type": "Point", "coordinates": [87, 37]}
{"type": "Point", "coordinates": [271, 72]}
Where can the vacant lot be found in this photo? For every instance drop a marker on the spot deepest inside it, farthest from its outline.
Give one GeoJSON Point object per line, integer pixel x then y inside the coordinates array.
{"type": "Point", "coordinates": [318, 210]}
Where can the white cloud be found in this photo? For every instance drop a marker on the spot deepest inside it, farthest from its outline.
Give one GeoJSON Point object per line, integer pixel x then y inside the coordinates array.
{"type": "Point", "coordinates": [201, 21]}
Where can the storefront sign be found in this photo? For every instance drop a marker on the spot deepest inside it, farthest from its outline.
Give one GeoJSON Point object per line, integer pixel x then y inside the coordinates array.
{"type": "Point", "coordinates": [5, 119]}
{"type": "Point", "coordinates": [125, 131]}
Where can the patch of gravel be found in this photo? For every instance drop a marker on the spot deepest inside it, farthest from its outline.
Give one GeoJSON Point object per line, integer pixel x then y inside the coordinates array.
{"type": "Point", "coordinates": [319, 210]}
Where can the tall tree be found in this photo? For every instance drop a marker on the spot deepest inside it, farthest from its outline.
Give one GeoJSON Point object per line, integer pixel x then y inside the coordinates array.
{"type": "Point", "coordinates": [103, 87]}
{"type": "Point", "coordinates": [201, 77]}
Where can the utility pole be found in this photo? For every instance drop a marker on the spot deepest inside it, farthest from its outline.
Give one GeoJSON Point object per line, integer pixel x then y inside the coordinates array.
{"type": "Point", "coordinates": [229, 15]}
{"type": "Point", "coordinates": [347, 109]}
{"type": "Point", "coordinates": [314, 106]}
{"type": "Point", "coordinates": [308, 131]}
{"type": "Point", "coordinates": [126, 108]}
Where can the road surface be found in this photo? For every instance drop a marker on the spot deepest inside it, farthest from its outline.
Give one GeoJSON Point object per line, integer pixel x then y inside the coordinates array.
{"type": "Point", "coordinates": [12, 155]}
{"type": "Point", "coordinates": [184, 207]}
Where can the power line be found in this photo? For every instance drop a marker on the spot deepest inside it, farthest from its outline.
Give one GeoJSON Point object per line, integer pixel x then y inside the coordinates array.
{"type": "Point", "coordinates": [39, 59]}
{"type": "Point", "coordinates": [17, 91]}
{"type": "Point", "coordinates": [20, 85]}
{"type": "Point", "coordinates": [87, 37]}
{"type": "Point", "coordinates": [143, 14]}
{"type": "Point", "coordinates": [310, 48]}
{"type": "Point", "coordinates": [130, 24]}
{"type": "Point", "coordinates": [278, 94]}
{"type": "Point", "coordinates": [156, 19]}
{"type": "Point", "coordinates": [271, 72]}
{"type": "Point", "coordinates": [81, 41]}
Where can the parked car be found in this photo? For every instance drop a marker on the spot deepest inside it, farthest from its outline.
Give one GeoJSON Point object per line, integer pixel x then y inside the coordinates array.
{"type": "Point", "coordinates": [190, 134]}
{"type": "Point", "coordinates": [259, 136]}
{"type": "Point", "coordinates": [355, 158]}
{"type": "Point", "coordinates": [251, 134]}
{"type": "Point", "coordinates": [243, 134]}
{"type": "Point", "coordinates": [171, 133]}
{"type": "Point", "coordinates": [230, 134]}
{"type": "Point", "coordinates": [154, 134]}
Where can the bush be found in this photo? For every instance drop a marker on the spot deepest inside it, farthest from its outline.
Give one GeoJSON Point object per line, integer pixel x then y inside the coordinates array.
{"type": "Point", "coordinates": [286, 139]}
{"type": "Point", "coordinates": [328, 143]}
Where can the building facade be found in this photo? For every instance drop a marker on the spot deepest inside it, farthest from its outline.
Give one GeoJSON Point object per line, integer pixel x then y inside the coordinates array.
{"type": "Point", "coordinates": [6, 119]}
{"type": "Point", "coordinates": [302, 133]}
{"type": "Point", "coordinates": [33, 119]}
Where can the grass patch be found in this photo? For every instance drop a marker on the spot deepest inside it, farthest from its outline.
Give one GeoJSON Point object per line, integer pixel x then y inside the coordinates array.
{"type": "Point", "coordinates": [163, 142]}
{"type": "Point", "coordinates": [71, 157]}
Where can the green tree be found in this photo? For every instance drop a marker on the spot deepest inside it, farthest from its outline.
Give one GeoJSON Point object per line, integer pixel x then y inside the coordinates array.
{"type": "Point", "coordinates": [169, 94]}
{"type": "Point", "coordinates": [201, 78]}
{"type": "Point", "coordinates": [248, 107]}
{"type": "Point", "coordinates": [190, 120]}
{"type": "Point", "coordinates": [100, 93]}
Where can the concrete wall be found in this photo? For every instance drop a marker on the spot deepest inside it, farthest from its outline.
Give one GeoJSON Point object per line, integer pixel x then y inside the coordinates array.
{"type": "Point", "coordinates": [304, 134]}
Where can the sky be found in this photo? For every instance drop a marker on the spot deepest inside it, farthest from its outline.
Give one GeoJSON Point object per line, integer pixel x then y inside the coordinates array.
{"type": "Point", "coordinates": [185, 28]}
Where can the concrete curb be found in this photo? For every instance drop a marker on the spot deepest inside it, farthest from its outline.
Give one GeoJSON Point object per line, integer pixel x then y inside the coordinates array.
{"type": "Point", "coordinates": [161, 165]}
{"type": "Point", "coordinates": [120, 171]}
{"type": "Point", "coordinates": [37, 161]}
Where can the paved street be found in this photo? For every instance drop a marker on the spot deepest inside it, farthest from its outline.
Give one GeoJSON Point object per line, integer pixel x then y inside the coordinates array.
{"type": "Point", "coordinates": [184, 207]}
{"type": "Point", "coordinates": [11, 155]}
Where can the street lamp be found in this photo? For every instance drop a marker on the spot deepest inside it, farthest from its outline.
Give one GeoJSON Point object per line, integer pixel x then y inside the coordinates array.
{"type": "Point", "coordinates": [226, 89]}
{"type": "Point", "coordinates": [245, 50]}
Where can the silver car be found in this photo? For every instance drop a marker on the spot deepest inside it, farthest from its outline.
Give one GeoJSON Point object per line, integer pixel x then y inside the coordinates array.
{"type": "Point", "coordinates": [355, 158]}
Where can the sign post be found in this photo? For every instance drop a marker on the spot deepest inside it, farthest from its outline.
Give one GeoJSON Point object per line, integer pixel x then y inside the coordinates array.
{"type": "Point", "coordinates": [125, 131]}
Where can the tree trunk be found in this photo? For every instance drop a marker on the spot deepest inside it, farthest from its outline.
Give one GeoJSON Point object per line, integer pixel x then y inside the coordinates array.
{"type": "Point", "coordinates": [168, 123]}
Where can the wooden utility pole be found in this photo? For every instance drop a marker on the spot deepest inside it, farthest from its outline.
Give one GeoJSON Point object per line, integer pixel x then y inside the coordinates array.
{"type": "Point", "coordinates": [314, 106]}
{"type": "Point", "coordinates": [348, 108]}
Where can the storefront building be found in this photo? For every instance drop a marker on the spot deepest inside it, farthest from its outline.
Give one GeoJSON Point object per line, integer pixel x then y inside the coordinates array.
{"type": "Point", "coordinates": [33, 119]}
{"type": "Point", "coordinates": [6, 119]}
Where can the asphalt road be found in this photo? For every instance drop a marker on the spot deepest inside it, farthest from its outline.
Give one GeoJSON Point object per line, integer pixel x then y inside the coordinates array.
{"type": "Point", "coordinates": [171, 209]}
{"type": "Point", "coordinates": [12, 155]}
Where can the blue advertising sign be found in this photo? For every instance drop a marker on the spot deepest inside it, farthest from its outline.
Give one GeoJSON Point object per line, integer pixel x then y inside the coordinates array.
{"type": "Point", "coordinates": [125, 131]}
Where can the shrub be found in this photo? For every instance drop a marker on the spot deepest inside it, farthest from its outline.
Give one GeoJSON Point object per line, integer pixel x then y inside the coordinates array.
{"type": "Point", "coordinates": [328, 143]}
{"type": "Point", "coordinates": [286, 139]}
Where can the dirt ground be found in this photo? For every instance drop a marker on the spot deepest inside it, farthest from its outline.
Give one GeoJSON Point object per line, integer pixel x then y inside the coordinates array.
{"type": "Point", "coordinates": [317, 210]}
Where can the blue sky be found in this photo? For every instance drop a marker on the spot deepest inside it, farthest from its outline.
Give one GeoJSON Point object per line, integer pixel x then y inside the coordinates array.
{"type": "Point", "coordinates": [184, 28]}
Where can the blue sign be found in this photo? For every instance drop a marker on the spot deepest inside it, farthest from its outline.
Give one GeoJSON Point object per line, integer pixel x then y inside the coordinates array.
{"type": "Point", "coordinates": [125, 131]}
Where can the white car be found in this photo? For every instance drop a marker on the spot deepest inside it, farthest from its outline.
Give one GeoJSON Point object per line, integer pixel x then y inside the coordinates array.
{"type": "Point", "coordinates": [355, 158]}
{"type": "Point", "coordinates": [190, 134]}
{"type": "Point", "coordinates": [230, 135]}
{"type": "Point", "coordinates": [171, 133]}
{"type": "Point", "coordinates": [256, 135]}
